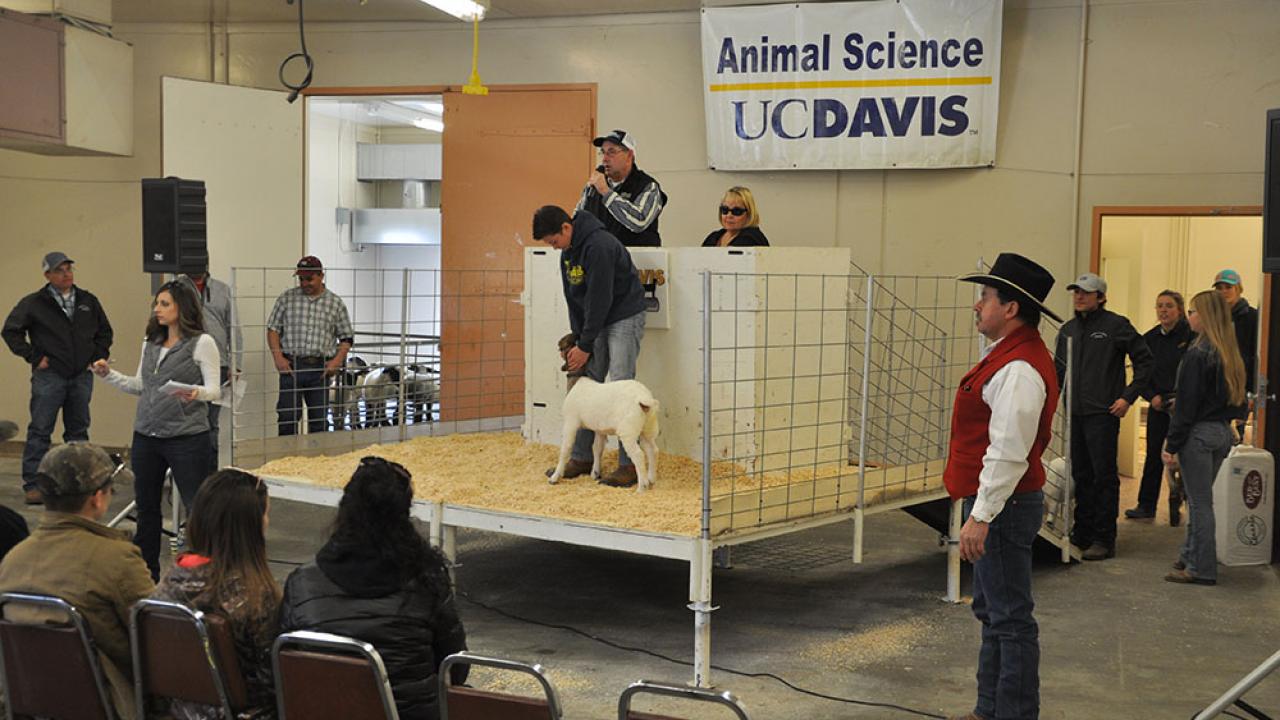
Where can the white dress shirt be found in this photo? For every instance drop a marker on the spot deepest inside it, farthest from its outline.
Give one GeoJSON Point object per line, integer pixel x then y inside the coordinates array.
{"type": "Point", "coordinates": [1016, 395]}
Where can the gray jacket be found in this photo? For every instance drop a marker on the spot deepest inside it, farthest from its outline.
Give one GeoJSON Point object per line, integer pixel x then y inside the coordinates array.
{"type": "Point", "coordinates": [219, 318]}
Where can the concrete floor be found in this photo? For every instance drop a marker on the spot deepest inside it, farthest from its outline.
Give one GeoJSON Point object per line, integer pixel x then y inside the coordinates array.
{"type": "Point", "coordinates": [1117, 641]}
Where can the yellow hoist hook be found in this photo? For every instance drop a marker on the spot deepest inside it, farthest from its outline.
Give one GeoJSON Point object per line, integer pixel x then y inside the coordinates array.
{"type": "Point", "coordinates": [473, 86]}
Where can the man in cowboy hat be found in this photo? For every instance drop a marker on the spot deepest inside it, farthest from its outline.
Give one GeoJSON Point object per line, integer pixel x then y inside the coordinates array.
{"type": "Point", "coordinates": [1000, 426]}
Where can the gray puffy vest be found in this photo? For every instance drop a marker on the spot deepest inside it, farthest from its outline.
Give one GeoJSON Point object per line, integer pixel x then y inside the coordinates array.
{"type": "Point", "coordinates": [163, 415]}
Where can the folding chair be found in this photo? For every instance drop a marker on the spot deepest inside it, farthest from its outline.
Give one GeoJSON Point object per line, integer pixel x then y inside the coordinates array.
{"type": "Point", "coordinates": [460, 703]}
{"type": "Point", "coordinates": [185, 654]}
{"type": "Point", "coordinates": [704, 695]}
{"type": "Point", "coordinates": [50, 670]}
{"type": "Point", "coordinates": [319, 675]}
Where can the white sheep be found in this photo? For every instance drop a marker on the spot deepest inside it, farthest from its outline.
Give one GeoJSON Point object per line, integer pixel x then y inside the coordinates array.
{"type": "Point", "coordinates": [624, 408]}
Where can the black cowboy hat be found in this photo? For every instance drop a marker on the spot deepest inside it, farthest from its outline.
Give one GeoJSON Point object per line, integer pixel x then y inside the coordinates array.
{"type": "Point", "coordinates": [1019, 276]}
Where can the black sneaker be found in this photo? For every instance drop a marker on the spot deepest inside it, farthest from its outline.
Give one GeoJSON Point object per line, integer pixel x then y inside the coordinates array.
{"type": "Point", "coordinates": [1140, 513]}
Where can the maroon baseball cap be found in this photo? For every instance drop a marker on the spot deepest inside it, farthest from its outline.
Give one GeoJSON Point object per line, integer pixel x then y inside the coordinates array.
{"type": "Point", "coordinates": [309, 264]}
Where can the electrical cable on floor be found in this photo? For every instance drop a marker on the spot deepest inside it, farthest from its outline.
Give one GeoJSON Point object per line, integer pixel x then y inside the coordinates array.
{"type": "Point", "coordinates": [306, 59]}
{"type": "Point", "coordinates": [660, 656]}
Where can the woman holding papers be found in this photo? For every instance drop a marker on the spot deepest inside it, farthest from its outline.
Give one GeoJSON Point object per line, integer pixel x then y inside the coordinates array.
{"type": "Point", "coordinates": [177, 378]}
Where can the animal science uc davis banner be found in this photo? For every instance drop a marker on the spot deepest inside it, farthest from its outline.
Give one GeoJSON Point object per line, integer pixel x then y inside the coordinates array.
{"type": "Point", "coordinates": [856, 85]}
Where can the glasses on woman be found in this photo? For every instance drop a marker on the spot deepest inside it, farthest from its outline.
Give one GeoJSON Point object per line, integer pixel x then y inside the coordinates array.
{"type": "Point", "coordinates": [734, 211]}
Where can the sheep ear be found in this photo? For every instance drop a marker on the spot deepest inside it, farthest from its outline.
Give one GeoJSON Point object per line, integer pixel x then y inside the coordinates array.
{"type": "Point", "coordinates": [645, 408]}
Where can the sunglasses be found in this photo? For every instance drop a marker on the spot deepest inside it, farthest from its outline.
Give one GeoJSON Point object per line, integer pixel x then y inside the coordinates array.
{"type": "Point", "coordinates": [736, 212]}
{"type": "Point", "coordinates": [397, 468]}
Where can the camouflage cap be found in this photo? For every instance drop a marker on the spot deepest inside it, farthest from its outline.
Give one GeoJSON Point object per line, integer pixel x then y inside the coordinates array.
{"type": "Point", "coordinates": [77, 469]}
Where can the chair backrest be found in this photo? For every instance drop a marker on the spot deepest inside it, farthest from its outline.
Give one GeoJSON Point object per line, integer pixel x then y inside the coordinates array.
{"type": "Point", "coordinates": [322, 675]}
{"type": "Point", "coordinates": [702, 695]}
{"type": "Point", "coordinates": [183, 653]}
{"type": "Point", "coordinates": [50, 670]}
{"type": "Point", "coordinates": [459, 703]}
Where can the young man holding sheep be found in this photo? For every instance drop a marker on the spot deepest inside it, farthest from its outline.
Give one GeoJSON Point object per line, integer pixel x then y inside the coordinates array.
{"type": "Point", "coordinates": [606, 313]}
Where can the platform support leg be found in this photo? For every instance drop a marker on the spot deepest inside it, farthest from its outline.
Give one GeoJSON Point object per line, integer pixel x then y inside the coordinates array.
{"type": "Point", "coordinates": [700, 569]}
{"type": "Point", "coordinates": [859, 517]}
{"type": "Point", "coordinates": [953, 553]}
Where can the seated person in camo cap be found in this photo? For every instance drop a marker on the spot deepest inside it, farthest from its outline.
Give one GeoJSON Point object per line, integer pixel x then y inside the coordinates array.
{"type": "Point", "coordinates": [72, 555]}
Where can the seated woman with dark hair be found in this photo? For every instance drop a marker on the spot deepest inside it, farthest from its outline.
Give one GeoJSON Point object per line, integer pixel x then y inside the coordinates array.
{"type": "Point", "coordinates": [225, 573]}
{"type": "Point", "coordinates": [379, 581]}
{"type": "Point", "coordinates": [739, 221]}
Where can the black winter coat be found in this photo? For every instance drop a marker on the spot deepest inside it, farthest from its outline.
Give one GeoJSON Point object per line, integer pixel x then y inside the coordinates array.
{"type": "Point", "coordinates": [747, 237]}
{"type": "Point", "coordinates": [349, 591]}
{"type": "Point", "coordinates": [37, 328]}
{"type": "Point", "coordinates": [1100, 341]}
{"type": "Point", "coordinates": [1167, 350]}
{"type": "Point", "coordinates": [1245, 319]}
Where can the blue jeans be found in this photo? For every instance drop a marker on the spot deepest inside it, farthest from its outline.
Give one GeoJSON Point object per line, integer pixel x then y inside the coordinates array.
{"type": "Point", "coordinates": [614, 356]}
{"type": "Point", "coordinates": [1009, 661]}
{"type": "Point", "coordinates": [1207, 446]}
{"type": "Point", "coordinates": [50, 392]}
{"type": "Point", "coordinates": [303, 385]}
{"type": "Point", "coordinates": [187, 457]}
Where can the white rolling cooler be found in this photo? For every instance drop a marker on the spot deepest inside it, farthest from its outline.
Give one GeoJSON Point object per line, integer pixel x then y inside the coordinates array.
{"type": "Point", "coordinates": [1242, 506]}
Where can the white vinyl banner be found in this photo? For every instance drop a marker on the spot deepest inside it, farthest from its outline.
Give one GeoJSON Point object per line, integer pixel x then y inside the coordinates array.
{"type": "Point", "coordinates": [855, 85]}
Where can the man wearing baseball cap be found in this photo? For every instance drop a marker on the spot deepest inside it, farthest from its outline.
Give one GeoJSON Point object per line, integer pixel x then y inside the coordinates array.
{"type": "Point", "coordinates": [622, 196]}
{"type": "Point", "coordinates": [73, 556]}
{"type": "Point", "coordinates": [59, 330]}
{"type": "Point", "coordinates": [1245, 319]}
{"type": "Point", "coordinates": [309, 333]}
{"type": "Point", "coordinates": [1098, 398]}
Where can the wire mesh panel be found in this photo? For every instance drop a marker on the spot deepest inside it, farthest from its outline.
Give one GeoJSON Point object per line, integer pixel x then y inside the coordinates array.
{"type": "Point", "coordinates": [831, 392]}
{"type": "Point", "coordinates": [912, 339]}
{"type": "Point", "coordinates": [434, 352]}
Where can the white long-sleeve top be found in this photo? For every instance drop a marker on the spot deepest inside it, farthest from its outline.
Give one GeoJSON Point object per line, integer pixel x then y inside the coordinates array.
{"type": "Point", "coordinates": [207, 359]}
{"type": "Point", "coordinates": [1016, 395]}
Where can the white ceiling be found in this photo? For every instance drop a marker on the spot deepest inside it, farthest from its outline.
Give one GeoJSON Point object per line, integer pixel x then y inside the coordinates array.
{"type": "Point", "coordinates": [247, 11]}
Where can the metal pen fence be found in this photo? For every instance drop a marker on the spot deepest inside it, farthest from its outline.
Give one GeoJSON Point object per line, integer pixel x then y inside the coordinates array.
{"type": "Point", "coordinates": [834, 393]}
{"type": "Point", "coordinates": [435, 352]}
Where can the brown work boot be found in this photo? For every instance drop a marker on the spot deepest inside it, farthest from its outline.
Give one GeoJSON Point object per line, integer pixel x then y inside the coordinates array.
{"type": "Point", "coordinates": [33, 497]}
{"type": "Point", "coordinates": [572, 469]}
{"type": "Point", "coordinates": [623, 477]}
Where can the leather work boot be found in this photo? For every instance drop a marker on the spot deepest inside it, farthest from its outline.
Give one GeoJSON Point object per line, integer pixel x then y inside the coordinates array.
{"type": "Point", "coordinates": [1098, 551]}
{"type": "Point", "coordinates": [572, 469]}
{"type": "Point", "coordinates": [623, 477]}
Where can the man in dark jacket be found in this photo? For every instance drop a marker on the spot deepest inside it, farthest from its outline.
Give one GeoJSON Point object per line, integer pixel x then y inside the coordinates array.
{"type": "Point", "coordinates": [1245, 319]}
{"type": "Point", "coordinates": [622, 196]}
{"type": "Point", "coordinates": [59, 330]}
{"type": "Point", "coordinates": [606, 313]}
{"type": "Point", "coordinates": [1098, 397]}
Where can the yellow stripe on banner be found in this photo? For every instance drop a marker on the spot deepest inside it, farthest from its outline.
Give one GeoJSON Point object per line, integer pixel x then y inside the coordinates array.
{"type": "Point", "coordinates": [830, 84]}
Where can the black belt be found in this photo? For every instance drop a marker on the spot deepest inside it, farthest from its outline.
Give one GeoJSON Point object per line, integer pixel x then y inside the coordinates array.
{"type": "Point", "coordinates": [306, 359]}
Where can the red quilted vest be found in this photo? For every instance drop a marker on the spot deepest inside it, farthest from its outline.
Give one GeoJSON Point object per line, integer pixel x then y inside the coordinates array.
{"type": "Point", "coordinates": [971, 416]}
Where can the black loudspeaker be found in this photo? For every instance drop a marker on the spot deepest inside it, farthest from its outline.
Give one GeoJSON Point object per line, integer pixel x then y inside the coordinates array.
{"type": "Point", "coordinates": [174, 232]}
{"type": "Point", "coordinates": [1271, 196]}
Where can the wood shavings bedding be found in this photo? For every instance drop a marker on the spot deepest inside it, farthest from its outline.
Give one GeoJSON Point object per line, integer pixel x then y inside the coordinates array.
{"type": "Point", "coordinates": [500, 471]}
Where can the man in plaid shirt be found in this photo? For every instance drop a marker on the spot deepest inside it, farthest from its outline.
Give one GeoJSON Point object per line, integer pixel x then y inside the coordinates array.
{"type": "Point", "coordinates": [309, 333]}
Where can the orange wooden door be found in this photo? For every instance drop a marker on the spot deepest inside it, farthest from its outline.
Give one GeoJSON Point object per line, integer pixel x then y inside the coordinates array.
{"type": "Point", "coordinates": [505, 154]}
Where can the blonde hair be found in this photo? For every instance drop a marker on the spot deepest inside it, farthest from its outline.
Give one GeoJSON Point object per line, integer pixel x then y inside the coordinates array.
{"type": "Point", "coordinates": [1217, 331]}
{"type": "Point", "coordinates": [744, 194]}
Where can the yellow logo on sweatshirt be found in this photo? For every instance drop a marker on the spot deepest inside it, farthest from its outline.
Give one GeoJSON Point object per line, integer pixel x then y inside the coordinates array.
{"type": "Point", "coordinates": [576, 275]}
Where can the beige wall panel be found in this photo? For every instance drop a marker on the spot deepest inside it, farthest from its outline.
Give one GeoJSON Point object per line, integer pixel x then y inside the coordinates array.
{"type": "Point", "coordinates": [1038, 71]}
{"type": "Point", "coordinates": [1180, 87]}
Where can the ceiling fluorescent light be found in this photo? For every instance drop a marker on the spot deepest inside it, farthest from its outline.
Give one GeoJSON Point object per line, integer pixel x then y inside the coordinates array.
{"type": "Point", "coordinates": [428, 123]}
{"type": "Point", "coordinates": [462, 9]}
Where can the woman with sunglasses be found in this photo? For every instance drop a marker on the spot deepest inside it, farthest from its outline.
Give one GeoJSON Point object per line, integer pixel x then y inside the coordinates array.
{"type": "Point", "coordinates": [171, 426]}
{"type": "Point", "coordinates": [1210, 394]}
{"type": "Point", "coordinates": [378, 580]}
{"type": "Point", "coordinates": [739, 221]}
{"type": "Point", "coordinates": [225, 573]}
